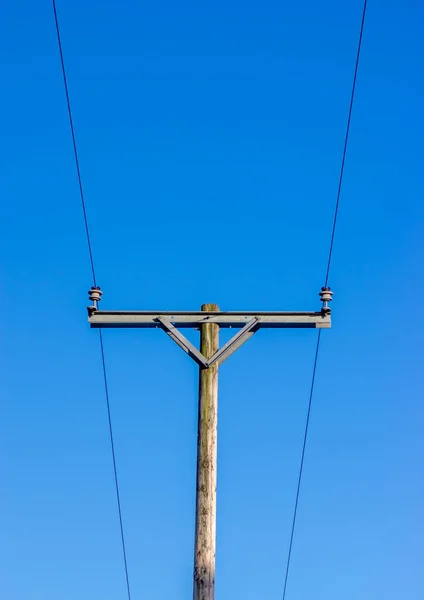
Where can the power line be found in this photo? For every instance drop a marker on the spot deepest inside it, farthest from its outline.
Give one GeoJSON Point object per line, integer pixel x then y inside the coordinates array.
{"type": "Point", "coordinates": [90, 251]}
{"type": "Point", "coordinates": [339, 189]}
{"type": "Point", "coordinates": [330, 254]}
{"type": "Point", "coordinates": [302, 460]}
{"type": "Point", "coordinates": [74, 143]}
{"type": "Point", "coordinates": [115, 473]}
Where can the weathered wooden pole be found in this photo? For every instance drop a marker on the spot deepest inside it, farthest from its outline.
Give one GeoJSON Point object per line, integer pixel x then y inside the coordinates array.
{"type": "Point", "coordinates": [205, 536]}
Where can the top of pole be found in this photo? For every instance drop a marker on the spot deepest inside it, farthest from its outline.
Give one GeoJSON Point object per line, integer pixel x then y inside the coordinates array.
{"type": "Point", "coordinates": [209, 307]}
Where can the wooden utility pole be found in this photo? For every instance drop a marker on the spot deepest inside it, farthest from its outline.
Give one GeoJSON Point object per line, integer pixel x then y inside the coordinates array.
{"type": "Point", "coordinates": [205, 536]}
{"type": "Point", "coordinates": [209, 320]}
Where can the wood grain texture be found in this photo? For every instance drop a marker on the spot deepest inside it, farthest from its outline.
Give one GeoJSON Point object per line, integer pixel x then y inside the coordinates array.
{"type": "Point", "coordinates": [205, 537]}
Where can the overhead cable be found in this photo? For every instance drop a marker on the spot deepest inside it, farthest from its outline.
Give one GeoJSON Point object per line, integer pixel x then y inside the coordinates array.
{"type": "Point", "coordinates": [327, 274]}
{"type": "Point", "coordinates": [90, 252]}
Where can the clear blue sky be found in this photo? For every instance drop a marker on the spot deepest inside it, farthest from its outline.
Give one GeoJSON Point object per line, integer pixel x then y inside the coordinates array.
{"type": "Point", "coordinates": [210, 137]}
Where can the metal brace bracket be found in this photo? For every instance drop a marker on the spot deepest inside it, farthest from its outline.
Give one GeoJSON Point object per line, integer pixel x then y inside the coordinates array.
{"type": "Point", "coordinates": [183, 342]}
{"type": "Point", "coordinates": [222, 354]}
{"type": "Point", "coordinates": [236, 341]}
